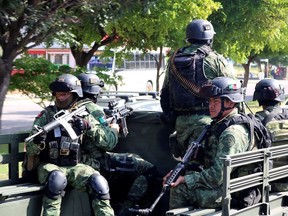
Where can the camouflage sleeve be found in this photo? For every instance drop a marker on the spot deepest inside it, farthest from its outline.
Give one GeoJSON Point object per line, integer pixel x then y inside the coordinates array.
{"type": "Point", "coordinates": [233, 140]}
{"type": "Point", "coordinates": [32, 148]}
{"type": "Point", "coordinates": [101, 134]}
{"type": "Point", "coordinates": [215, 65]}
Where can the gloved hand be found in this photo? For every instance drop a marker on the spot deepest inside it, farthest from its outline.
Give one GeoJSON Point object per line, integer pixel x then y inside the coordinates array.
{"type": "Point", "coordinates": [81, 125]}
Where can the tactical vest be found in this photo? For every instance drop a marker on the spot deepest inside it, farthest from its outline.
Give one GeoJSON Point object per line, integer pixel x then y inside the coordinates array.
{"type": "Point", "coordinates": [59, 148]}
{"type": "Point", "coordinates": [187, 77]}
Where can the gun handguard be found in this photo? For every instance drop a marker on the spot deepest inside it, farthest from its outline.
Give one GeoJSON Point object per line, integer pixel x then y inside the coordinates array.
{"type": "Point", "coordinates": [61, 118]}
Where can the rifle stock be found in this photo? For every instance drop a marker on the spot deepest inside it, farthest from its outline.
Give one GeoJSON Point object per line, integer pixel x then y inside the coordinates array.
{"type": "Point", "coordinates": [60, 118]}
{"type": "Point", "coordinates": [177, 171]}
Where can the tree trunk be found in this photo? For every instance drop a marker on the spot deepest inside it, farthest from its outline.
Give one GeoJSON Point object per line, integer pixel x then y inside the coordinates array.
{"type": "Point", "coordinates": [246, 73]}
{"type": "Point", "coordinates": [81, 58]}
{"type": "Point", "coordinates": [5, 69]}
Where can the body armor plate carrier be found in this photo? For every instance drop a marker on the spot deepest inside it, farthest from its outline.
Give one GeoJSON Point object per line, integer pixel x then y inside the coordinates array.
{"type": "Point", "coordinates": [187, 77]}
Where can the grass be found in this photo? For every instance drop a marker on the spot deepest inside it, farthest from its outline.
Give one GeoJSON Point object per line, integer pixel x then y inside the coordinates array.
{"type": "Point", "coordinates": [253, 106]}
{"type": "Point", "coordinates": [4, 149]}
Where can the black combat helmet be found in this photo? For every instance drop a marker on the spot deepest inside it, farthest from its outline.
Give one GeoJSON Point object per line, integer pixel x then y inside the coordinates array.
{"type": "Point", "coordinates": [224, 87]}
{"type": "Point", "coordinates": [66, 83]}
{"type": "Point", "coordinates": [91, 84]}
{"type": "Point", "coordinates": [199, 30]}
{"type": "Point", "coordinates": [268, 90]}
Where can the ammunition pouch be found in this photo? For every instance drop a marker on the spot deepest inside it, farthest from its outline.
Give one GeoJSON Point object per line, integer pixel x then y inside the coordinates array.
{"type": "Point", "coordinates": [64, 154]}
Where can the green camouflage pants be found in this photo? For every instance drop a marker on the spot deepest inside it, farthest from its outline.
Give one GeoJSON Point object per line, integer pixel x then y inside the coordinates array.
{"type": "Point", "coordinates": [188, 128]}
{"type": "Point", "coordinates": [77, 177]}
{"type": "Point", "coordinates": [132, 172]}
{"type": "Point", "coordinates": [181, 196]}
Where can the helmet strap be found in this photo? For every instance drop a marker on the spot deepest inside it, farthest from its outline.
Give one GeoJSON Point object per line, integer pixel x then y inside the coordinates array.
{"type": "Point", "coordinates": [223, 108]}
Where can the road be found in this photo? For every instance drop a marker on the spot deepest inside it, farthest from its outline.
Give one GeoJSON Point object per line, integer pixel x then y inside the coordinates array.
{"type": "Point", "coordinates": [19, 111]}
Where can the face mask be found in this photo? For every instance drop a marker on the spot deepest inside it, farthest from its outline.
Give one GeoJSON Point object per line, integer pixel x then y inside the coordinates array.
{"type": "Point", "coordinates": [63, 99]}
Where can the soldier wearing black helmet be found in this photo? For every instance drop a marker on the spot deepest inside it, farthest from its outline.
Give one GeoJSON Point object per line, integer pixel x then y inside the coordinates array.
{"type": "Point", "coordinates": [118, 168]}
{"type": "Point", "coordinates": [269, 94]}
{"type": "Point", "coordinates": [204, 189]}
{"type": "Point", "coordinates": [91, 85]}
{"type": "Point", "coordinates": [59, 155]}
{"type": "Point", "coordinates": [187, 70]}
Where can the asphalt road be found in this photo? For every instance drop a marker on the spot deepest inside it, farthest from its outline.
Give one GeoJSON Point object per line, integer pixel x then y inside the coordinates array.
{"type": "Point", "coordinates": [19, 111]}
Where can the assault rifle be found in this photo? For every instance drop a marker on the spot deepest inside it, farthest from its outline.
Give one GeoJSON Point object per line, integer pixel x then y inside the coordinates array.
{"type": "Point", "coordinates": [180, 168]}
{"type": "Point", "coordinates": [118, 115]}
{"type": "Point", "coordinates": [63, 117]}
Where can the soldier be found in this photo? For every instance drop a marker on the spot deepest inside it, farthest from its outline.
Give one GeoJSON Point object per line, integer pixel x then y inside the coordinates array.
{"type": "Point", "coordinates": [118, 168]}
{"type": "Point", "coordinates": [58, 154]}
{"type": "Point", "coordinates": [204, 189]}
{"type": "Point", "coordinates": [187, 69]}
{"type": "Point", "coordinates": [269, 94]}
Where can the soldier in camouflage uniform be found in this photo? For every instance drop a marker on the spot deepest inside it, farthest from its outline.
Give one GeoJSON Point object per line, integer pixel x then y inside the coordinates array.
{"type": "Point", "coordinates": [269, 94]}
{"type": "Point", "coordinates": [59, 155]}
{"type": "Point", "coordinates": [187, 70]}
{"type": "Point", "coordinates": [204, 189]}
{"type": "Point", "coordinates": [118, 168]}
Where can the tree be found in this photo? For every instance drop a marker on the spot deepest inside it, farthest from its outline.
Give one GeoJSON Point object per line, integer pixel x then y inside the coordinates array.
{"type": "Point", "coordinates": [245, 28]}
{"type": "Point", "coordinates": [23, 25]}
{"type": "Point", "coordinates": [89, 32]}
{"type": "Point", "coordinates": [144, 25]}
{"type": "Point", "coordinates": [37, 74]}
{"type": "Point", "coordinates": [163, 24]}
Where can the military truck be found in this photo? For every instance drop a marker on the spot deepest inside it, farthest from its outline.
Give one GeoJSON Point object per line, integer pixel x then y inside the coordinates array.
{"type": "Point", "coordinates": [147, 137]}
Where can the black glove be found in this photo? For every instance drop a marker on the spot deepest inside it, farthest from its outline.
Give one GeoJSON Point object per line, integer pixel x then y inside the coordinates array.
{"type": "Point", "coordinates": [40, 139]}
{"type": "Point", "coordinates": [81, 125]}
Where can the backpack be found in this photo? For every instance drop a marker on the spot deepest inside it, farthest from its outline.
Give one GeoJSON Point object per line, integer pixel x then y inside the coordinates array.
{"type": "Point", "coordinates": [186, 78]}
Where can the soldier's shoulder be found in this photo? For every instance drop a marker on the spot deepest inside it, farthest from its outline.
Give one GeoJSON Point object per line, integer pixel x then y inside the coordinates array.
{"type": "Point", "coordinates": [45, 112]}
{"type": "Point", "coordinates": [216, 55]}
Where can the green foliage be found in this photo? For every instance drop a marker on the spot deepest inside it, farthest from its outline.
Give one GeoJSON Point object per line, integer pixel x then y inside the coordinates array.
{"type": "Point", "coordinates": [34, 82]}
{"type": "Point", "coordinates": [161, 25]}
{"type": "Point", "coordinates": [245, 28]}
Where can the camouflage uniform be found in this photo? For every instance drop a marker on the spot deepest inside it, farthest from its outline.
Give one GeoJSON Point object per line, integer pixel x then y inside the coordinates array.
{"type": "Point", "coordinates": [77, 175]}
{"type": "Point", "coordinates": [118, 167]}
{"type": "Point", "coordinates": [277, 127]}
{"type": "Point", "coordinates": [215, 65]}
{"type": "Point", "coordinates": [204, 189]}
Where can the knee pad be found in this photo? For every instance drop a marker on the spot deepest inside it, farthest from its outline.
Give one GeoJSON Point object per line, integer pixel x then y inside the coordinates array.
{"type": "Point", "coordinates": [55, 185]}
{"type": "Point", "coordinates": [99, 187]}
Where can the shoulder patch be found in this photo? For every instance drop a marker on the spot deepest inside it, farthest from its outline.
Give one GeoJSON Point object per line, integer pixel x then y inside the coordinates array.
{"type": "Point", "coordinates": [40, 114]}
{"type": "Point", "coordinates": [228, 140]}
